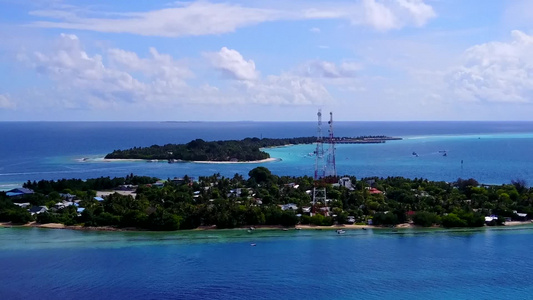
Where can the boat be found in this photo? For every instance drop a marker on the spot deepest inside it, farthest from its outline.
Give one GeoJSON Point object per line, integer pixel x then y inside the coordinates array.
{"type": "Point", "coordinates": [285, 229]}
{"type": "Point", "coordinates": [364, 228]}
{"type": "Point", "coordinates": [340, 231]}
{"type": "Point", "coordinates": [253, 245]}
{"type": "Point", "coordinates": [445, 154]}
{"type": "Point", "coordinates": [415, 154]}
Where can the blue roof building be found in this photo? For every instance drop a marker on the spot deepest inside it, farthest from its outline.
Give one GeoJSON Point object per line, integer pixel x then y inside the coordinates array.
{"type": "Point", "coordinates": [19, 192]}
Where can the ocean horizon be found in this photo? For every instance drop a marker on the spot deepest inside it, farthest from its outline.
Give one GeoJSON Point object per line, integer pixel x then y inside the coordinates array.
{"type": "Point", "coordinates": [491, 152]}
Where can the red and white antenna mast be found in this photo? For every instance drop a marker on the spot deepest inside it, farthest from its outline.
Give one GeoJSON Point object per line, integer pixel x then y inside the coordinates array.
{"type": "Point", "coordinates": [320, 166]}
{"type": "Point", "coordinates": [331, 169]}
{"type": "Point", "coordinates": [319, 189]}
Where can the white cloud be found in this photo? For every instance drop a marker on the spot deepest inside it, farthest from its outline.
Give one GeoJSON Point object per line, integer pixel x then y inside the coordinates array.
{"type": "Point", "coordinates": [326, 69]}
{"type": "Point", "coordinates": [387, 15]}
{"type": "Point", "coordinates": [288, 89]}
{"type": "Point", "coordinates": [74, 68]}
{"type": "Point", "coordinates": [195, 18]}
{"type": "Point", "coordinates": [6, 102]}
{"type": "Point", "coordinates": [496, 71]}
{"type": "Point", "coordinates": [205, 18]}
{"type": "Point", "coordinates": [87, 75]}
{"type": "Point", "coordinates": [274, 89]}
{"type": "Point", "coordinates": [118, 77]}
{"type": "Point", "coordinates": [232, 64]}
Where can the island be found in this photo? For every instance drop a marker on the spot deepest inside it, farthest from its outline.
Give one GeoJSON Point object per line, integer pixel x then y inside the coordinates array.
{"type": "Point", "coordinates": [262, 200]}
{"type": "Point", "coordinates": [246, 150]}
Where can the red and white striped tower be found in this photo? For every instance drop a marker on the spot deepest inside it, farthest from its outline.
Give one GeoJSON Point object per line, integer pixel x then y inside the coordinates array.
{"type": "Point", "coordinates": [319, 190]}
{"type": "Point", "coordinates": [331, 169]}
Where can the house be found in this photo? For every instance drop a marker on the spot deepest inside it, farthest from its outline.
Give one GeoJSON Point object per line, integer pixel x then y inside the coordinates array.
{"type": "Point", "coordinates": [489, 219]}
{"type": "Point", "coordinates": [126, 187]}
{"type": "Point", "coordinates": [346, 182]}
{"type": "Point", "coordinates": [159, 183]}
{"type": "Point", "coordinates": [521, 216]}
{"type": "Point", "coordinates": [374, 191]}
{"type": "Point", "coordinates": [67, 196]}
{"type": "Point", "coordinates": [182, 180]}
{"type": "Point", "coordinates": [325, 210]}
{"type": "Point", "coordinates": [292, 185]}
{"type": "Point", "coordinates": [98, 199]}
{"type": "Point", "coordinates": [37, 210]}
{"type": "Point", "coordinates": [350, 219]}
{"type": "Point", "coordinates": [23, 205]}
{"type": "Point", "coordinates": [19, 192]}
{"type": "Point", "coordinates": [289, 206]}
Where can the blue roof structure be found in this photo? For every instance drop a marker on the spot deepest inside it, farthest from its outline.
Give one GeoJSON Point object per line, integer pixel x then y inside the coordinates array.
{"type": "Point", "coordinates": [18, 192]}
{"type": "Point", "coordinates": [80, 209]}
{"type": "Point", "coordinates": [13, 194]}
{"type": "Point", "coordinates": [98, 198]}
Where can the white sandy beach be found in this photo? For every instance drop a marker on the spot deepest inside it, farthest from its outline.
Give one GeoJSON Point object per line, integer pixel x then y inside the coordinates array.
{"type": "Point", "coordinates": [238, 162]}
{"type": "Point", "coordinates": [272, 159]}
{"type": "Point", "coordinates": [264, 227]}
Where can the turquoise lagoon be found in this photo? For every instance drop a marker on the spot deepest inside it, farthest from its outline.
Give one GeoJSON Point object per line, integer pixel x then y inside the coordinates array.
{"type": "Point", "coordinates": [486, 263]}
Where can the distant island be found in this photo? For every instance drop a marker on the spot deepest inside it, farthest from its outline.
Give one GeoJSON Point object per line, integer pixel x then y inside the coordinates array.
{"type": "Point", "coordinates": [248, 149]}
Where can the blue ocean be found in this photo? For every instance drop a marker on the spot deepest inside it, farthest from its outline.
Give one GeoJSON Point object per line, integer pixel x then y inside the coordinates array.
{"type": "Point", "coordinates": [490, 152]}
{"type": "Point", "coordinates": [486, 263]}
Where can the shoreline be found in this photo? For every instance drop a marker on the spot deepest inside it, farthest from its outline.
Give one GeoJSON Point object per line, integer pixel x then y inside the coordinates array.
{"type": "Point", "coordinates": [272, 159]}
{"type": "Point", "coordinates": [256, 227]}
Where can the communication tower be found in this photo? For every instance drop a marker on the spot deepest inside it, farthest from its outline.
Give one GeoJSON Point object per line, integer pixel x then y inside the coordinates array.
{"type": "Point", "coordinates": [325, 169]}
{"type": "Point", "coordinates": [331, 169]}
{"type": "Point", "coordinates": [319, 189]}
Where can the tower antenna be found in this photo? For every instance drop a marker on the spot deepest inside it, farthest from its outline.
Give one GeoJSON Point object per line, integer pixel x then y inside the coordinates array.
{"type": "Point", "coordinates": [319, 189]}
{"type": "Point", "coordinates": [331, 169]}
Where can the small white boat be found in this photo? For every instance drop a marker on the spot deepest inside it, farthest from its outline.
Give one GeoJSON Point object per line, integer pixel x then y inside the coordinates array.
{"type": "Point", "coordinates": [340, 231]}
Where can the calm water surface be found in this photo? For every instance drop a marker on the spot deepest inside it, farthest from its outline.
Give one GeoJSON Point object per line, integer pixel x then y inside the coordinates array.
{"type": "Point", "coordinates": [306, 264]}
{"type": "Point", "coordinates": [492, 152]}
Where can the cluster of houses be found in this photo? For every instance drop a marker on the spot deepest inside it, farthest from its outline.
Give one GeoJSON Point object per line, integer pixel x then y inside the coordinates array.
{"type": "Point", "coordinates": [67, 200]}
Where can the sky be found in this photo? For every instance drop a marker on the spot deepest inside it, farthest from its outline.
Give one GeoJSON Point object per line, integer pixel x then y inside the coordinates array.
{"type": "Point", "coordinates": [271, 60]}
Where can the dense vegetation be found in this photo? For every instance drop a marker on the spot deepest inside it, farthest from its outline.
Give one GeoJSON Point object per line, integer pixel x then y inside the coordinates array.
{"type": "Point", "coordinates": [233, 202]}
{"type": "Point", "coordinates": [248, 149]}
{"type": "Point", "coordinates": [101, 183]}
